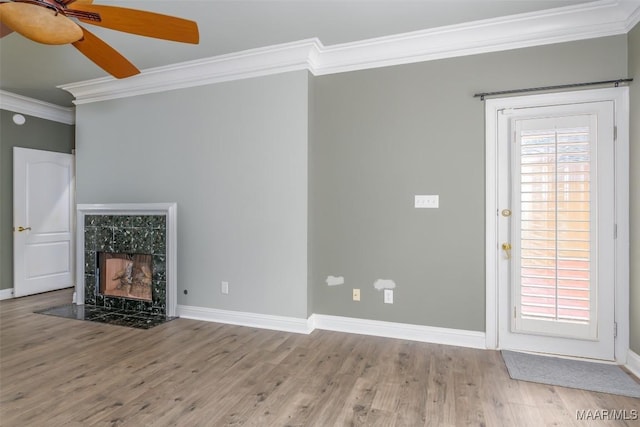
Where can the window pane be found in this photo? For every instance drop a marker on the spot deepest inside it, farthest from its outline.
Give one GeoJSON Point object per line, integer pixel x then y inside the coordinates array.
{"type": "Point", "coordinates": [555, 264]}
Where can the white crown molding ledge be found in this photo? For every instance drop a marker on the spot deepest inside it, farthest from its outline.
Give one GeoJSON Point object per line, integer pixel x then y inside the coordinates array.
{"type": "Point", "coordinates": [32, 107]}
{"type": "Point", "coordinates": [578, 22]}
{"type": "Point", "coordinates": [633, 20]}
{"type": "Point", "coordinates": [571, 23]}
{"type": "Point", "coordinates": [276, 59]}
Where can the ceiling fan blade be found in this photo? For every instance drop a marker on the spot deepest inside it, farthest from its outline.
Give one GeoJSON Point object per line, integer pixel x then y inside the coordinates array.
{"type": "Point", "coordinates": [38, 23]}
{"type": "Point", "coordinates": [66, 3]}
{"type": "Point", "coordinates": [141, 22]}
{"type": "Point", "coordinates": [105, 56]}
{"type": "Point", "coordinates": [4, 30]}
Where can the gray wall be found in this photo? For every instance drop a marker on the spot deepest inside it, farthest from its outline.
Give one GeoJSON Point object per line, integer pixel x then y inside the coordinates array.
{"type": "Point", "coordinates": [234, 157]}
{"type": "Point", "coordinates": [38, 134]}
{"type": "Point", "coordinates": [380, 137]}
{"type": "Point", "coordinates": [634, 160]}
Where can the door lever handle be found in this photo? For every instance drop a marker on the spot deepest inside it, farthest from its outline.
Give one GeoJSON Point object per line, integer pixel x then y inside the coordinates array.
{"type": "Point", "coordinates": [21, 229]}
{"type": "Point", "coordinates": [506, 247]}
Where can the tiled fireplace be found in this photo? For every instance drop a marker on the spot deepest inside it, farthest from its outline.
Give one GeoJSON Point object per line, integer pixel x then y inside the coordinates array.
{"type": "Point", "coordinates": [126, 256]}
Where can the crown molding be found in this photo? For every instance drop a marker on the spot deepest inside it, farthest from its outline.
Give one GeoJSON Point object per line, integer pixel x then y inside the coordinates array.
{"type": "Point", "coordinates": [275, 59]}
{"type": "Point", "coordinates": [588, 20]}
{"type": "Point", "coordinates": [21, 104]}
{"type": "Point", "coordinates": [633, 19]}
{"type": "Point", "coordinates": [565, 24]}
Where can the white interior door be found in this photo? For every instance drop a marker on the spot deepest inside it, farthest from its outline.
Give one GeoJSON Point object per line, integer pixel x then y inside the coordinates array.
{"type": "Point", "coordinates": [556, 229]}
{"type": "Point", "coordinates": [43, 206]}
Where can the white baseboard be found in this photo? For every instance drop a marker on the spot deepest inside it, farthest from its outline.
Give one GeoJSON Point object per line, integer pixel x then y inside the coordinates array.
{"type": "Point", "coordinates": [6, 294]}
{"type": "Point", "coordinates": [633, 363]}
{"type": "Point", "coordinates": [254, 320]}
{"type": "Point", "coordinates": [404, 331]}
{"type": "Point", "coordinates": [430, 334]}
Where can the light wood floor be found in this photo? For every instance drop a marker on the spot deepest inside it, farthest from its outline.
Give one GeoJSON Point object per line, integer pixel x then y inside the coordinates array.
{"type": "Point", "coordinates": [62, 372]}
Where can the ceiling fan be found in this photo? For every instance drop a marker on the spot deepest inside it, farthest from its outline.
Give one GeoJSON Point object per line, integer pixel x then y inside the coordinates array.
{"type": "Point", "coordinates": [55, 22]}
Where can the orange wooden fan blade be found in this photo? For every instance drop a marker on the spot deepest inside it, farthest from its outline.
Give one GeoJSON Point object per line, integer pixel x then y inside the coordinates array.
{"type": "Point", "coordinates": [68, 2]}
{"type": "Point", "coordinates": [105, 56]}
{"type": "Point", "coordinates": [38, 23]}
{"type": "Point", "coordinates": [4, 30]}
{"type": "Point", "coordinates": [142, 23]}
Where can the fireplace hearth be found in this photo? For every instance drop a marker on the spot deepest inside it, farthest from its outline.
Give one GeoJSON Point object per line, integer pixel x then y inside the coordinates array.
{"type": "Point", "coordinates": [110, 316]}
{"type": "Point", "coordinates": [126, 265]}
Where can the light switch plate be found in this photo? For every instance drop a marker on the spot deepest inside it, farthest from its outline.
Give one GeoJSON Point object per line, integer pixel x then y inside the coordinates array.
{"type": "Point", "coordinates": [427, 201]}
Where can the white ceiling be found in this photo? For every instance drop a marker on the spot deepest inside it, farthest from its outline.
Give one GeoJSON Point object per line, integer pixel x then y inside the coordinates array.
{"type": "Point", "coordinates": [34, 70]}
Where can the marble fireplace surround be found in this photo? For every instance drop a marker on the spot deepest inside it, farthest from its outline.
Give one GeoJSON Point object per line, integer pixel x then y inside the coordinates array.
{"type": "Point", "coordinates": [168, 210]}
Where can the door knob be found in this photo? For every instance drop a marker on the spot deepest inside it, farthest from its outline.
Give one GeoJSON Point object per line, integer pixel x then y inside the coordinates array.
{"type": "Point", "coordinates": [21, 228]}
{"type": "Point", "coordinates": [506, 247]}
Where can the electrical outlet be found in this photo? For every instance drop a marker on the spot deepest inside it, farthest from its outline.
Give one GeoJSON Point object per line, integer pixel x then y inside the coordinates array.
{"type": "Point", "coordinates": [356, 294]}
{"type": "Point", "coordinates": [388, 296]}
{"type": "Point", "coordinates": [427, 201]}
{"type": "Point", "coordinates": [224, 287]}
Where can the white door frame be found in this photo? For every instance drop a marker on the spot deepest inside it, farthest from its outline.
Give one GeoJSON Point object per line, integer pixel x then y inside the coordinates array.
{"type": "Point", "coordinates": [620, 97]}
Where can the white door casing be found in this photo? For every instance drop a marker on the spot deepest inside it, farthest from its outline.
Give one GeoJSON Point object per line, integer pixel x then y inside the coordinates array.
{"type": "Point", "coordinates": [43, 205]}
{"type": "Point", "coordinates": [505, 328]}
{"type": "Point", "coordinates": [574, 315]}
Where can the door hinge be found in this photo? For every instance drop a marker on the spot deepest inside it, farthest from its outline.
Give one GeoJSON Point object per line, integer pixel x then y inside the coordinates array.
{"type": "Point", "coordinates": [615, 329]}
{"type": "Point", "coordinates": [615, 133]}
{"type": "Point", "coordinates": [515, 312]}
{"type": "Point", "coordinates": [615, 231]}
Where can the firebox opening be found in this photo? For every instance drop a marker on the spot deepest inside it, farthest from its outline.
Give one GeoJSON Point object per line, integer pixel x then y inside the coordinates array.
{"type": "Point", "coordinates": [125, 275]}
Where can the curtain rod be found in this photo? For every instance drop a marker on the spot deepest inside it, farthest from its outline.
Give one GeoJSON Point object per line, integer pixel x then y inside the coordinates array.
{"type": "Point", "coordinates": [535, 89]}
